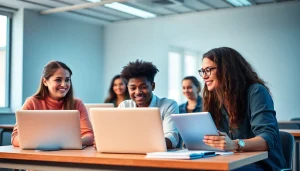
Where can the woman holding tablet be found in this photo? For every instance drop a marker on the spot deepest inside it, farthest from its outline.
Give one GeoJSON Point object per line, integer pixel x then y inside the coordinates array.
{"type": "Point", "coordinates": [56, 93]}
{"type": "Point", "coordinates": [241, 106]}
{"type": "Point", "coordinates": [191, 88]}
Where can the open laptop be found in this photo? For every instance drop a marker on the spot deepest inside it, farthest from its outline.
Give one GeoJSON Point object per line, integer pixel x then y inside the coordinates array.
{"type": "Point", "coordinates": [193, 127]}
{"type": "Point", "coordinates": [49, 129]}
{"type": "Point", "coordinates": [97, 105]}
{"type": "Point", "coordinates": [128, 130]}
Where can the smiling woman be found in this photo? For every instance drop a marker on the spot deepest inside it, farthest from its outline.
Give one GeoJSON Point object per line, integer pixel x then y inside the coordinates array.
{"type": "Point", "coordinates": [241, 106]}
{"type": "Point", "coordinates": [56, 93]}
{"type": "Point", "coordinates": [191, 88]}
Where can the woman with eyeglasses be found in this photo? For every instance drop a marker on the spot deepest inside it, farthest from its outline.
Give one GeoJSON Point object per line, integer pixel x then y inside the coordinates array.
{"type": "Point", "coordinates": [191, 88]}
{"type": "Point", "coordinates": [241, 107]}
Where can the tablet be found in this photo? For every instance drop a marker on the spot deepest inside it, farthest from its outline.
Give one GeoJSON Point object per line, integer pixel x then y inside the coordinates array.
{"type": "Point", "coordinates": [193, 127]}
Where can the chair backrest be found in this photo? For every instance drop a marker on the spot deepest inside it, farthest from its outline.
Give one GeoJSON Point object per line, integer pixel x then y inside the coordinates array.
{"type": "Point", "coordinates": [295, 119]}
{"type": "Point", "coordinates": [1, 130]}
{"type": "Point", "coordinates": [287, 141]}
{"type": "Point", "coordinates": [288, 126]}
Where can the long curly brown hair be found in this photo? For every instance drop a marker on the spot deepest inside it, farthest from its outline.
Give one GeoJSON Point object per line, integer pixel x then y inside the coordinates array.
{"type": "Point", "coordinates": [235, 75]}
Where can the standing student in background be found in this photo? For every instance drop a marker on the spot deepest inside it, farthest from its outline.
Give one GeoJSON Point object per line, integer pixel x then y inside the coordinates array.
{"type": "Point", "coordinates": [118, 91]}
{"type": "Point", "coordinates": [191, 88]}
{"type": "Point", "coordinates": [140, 78]}
{"type": "Point", "coordinates": [56, 93]}
{"type": "Point", "coordinates": [242, 108]}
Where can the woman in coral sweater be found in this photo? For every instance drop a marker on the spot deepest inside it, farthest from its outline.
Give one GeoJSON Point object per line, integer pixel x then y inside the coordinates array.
{"type": "Point", "coordinates": [56, 93]}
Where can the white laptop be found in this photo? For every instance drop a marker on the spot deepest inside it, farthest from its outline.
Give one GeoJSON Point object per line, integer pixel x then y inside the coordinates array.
{"type": "Point", "coordinates": [128, 130]}
{"type": "Point", "coordinates": [97, 105]}
{"type": "Point", "coordinates": [49, 129]}
{"type": "Point", "coordinates": [193, 127]}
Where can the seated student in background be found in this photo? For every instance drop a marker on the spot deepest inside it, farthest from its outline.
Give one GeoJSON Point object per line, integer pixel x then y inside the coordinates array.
{"type": "Point", "coordinates": [118, 91]}
{"type": "Point", "coordinates": [140, 78]}
{"type": "Point", "coordinates": [56, 93]}
{"type": "Point", "coordinates": [241, 106]}
{"type": "Point", "coordinates": [191, 88]}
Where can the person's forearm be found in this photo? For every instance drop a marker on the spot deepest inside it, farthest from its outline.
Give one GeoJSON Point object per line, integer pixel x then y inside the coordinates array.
{"type": "Point", "coordinates": [255, 144]}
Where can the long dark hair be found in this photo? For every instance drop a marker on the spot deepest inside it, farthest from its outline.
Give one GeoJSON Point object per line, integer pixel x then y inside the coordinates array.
{"type": "Point", "coordinates": [43, 92]}
{"type": "Point", "coordinates": [235, 75]}
{"type": "Point", "coordinates": [195, 81]}
{"type": "Point", "coordinates": [112, 95]}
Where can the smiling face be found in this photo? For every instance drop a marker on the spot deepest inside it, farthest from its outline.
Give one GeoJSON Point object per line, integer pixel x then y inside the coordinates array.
{"type": "Point", "coordinates": [58, 84]}
{"type": "Point", "coordinates": [119, 86]}
{"type": "Point", "coordinates": [190, 91]}
{"type": "Point", "coordinates": [140, 91]}
{"type": "Point", "coordinates": [211, 80]}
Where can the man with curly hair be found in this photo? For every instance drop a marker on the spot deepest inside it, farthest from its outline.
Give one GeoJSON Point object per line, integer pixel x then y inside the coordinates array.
{"type": "Point", "coordinates": [140, 78]}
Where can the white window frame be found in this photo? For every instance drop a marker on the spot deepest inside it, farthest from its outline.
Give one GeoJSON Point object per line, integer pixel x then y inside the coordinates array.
{"type": "Point", "coordinates": [183, 68]}
{"type": "Point", "coordinates": [6, 106]}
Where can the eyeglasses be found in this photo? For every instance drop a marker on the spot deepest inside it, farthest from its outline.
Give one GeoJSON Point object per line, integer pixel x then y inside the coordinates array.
{"type": "Point", "coordinates": [206, 71]}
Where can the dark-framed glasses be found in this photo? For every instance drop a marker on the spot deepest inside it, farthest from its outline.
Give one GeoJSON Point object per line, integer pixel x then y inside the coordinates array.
{"type": "Point", "coordinates": [206, 71]}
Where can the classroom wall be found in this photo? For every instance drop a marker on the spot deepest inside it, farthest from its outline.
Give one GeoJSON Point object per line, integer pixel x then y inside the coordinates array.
{"type": "Point", "coordinates": [267, 35]}
{"type": "Point", "coordinates": [76, 43]}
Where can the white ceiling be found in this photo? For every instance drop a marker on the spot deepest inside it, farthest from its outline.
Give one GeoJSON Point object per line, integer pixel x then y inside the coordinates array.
{"type": "Point", "coordinates": [104, 15]}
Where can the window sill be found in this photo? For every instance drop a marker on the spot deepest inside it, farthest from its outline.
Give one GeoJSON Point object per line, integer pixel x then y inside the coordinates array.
{"type": "Point", "coordinates": [5, 111]}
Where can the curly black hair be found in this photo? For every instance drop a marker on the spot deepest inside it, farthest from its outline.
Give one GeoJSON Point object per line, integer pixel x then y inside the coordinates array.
{"type": "Point", "coordinates": [139, 68]}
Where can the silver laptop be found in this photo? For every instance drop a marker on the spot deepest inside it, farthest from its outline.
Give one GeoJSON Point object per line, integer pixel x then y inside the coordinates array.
{"type": "Point", "coordinates": [128, 130]}
{"type": "Point", "coordinates": [49, 129]}
{"type": "Point", "coordinates": [97, 105]}
{"type": "Point", "coordinates": [193, 127]}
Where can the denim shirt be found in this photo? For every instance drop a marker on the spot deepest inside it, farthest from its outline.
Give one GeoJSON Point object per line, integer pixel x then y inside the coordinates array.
{"type": "Point", "coordinates": [260, 121]}
{"type": "Point", "coordinates": [198, 108]}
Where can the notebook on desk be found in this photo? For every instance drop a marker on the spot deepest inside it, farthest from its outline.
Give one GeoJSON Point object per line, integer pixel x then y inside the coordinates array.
{"type": "Point", "coordinates": [193, 127]}
{"type": "Point", "coordinates": [181, 154]}
{"type": "Point", "coordinates": [49, 129]}
{"type": "Point", "coordinates": [128, 130]}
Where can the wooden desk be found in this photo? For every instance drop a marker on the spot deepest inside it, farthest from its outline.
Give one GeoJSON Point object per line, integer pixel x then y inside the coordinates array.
{"type": "Point", "coordinates": [294, 132]}
{"type": "Point", "coordinates": [297, 122]}
{"type": "Point", "coordinates": [7, 126]}
{"type": "Point", "coordinates": [89, 159]}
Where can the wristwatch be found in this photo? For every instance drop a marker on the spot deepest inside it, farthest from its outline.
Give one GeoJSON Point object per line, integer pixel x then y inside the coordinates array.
{"type": "Point", "coordinates": [241, 144]}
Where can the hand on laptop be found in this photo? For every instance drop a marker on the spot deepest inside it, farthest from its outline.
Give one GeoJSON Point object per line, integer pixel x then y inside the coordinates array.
{"type": "Point", "coordinates": [221, 141]}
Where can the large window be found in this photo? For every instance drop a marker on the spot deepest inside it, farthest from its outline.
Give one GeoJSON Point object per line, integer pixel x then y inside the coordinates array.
{"type": "Point", "coordinates": [182, 63]}
{"type": "Point", "coordinates": [5, 21]}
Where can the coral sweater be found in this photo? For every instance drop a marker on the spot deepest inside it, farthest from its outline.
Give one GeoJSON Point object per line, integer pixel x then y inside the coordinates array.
{"type": "Point", "coordinates": [33, 103]}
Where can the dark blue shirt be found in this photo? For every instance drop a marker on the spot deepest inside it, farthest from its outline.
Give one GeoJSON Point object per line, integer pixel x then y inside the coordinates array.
{"type": "Point", "coordinates": [260, 121]}
{"type": "Point", "coordinates": [198, 108]}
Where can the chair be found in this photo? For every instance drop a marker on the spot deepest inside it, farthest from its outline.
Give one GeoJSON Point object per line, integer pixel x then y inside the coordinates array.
{"type": "Point", "coordinates": [288, 126]}
{"type": "Point", "coordinates": [287, 141]}
{"type": "Point", "coordinates": [295, 119]}
{"type": "Point", "coordinates": [1, 131]}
